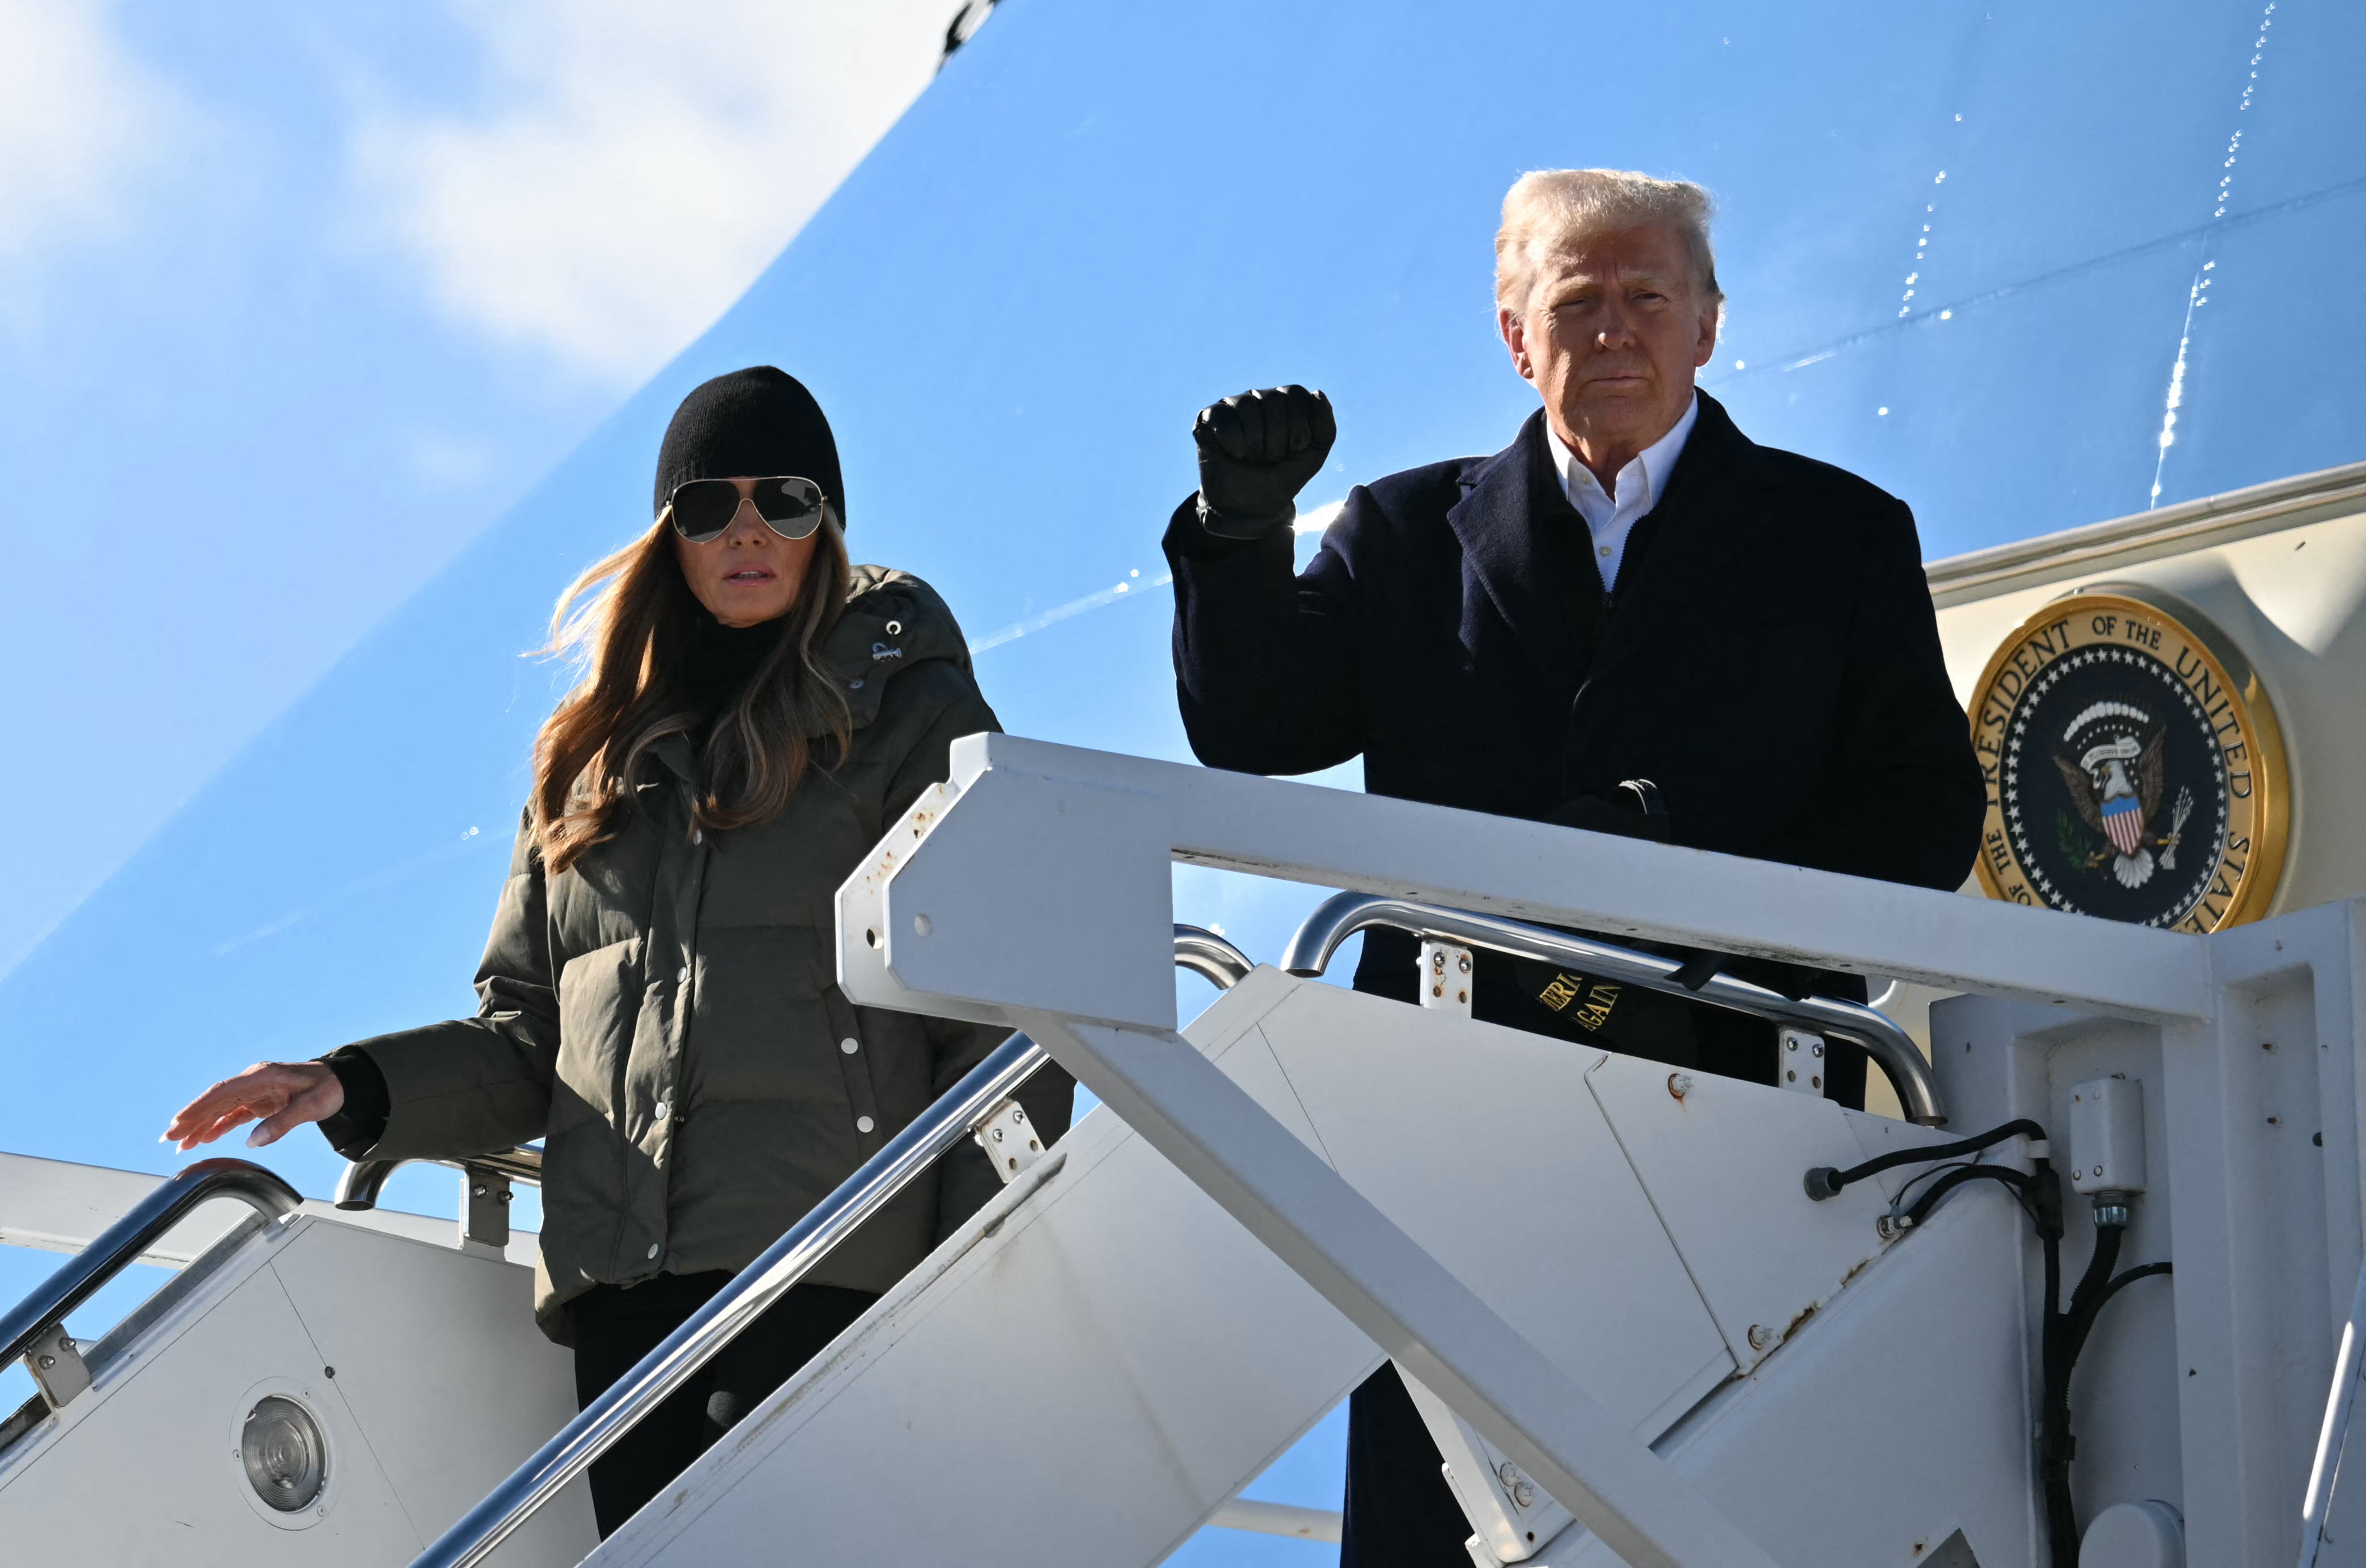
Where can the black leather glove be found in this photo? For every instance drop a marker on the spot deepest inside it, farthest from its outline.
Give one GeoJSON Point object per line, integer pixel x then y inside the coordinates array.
{"type": "Point", "coordinates": [1256, 451]}
{"type": "Point", "coordinates": [1632, 811]}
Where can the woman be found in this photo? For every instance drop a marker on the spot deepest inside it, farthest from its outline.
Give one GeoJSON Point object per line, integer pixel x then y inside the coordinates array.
{"type": "Point", "coordinates": [658, 1002]}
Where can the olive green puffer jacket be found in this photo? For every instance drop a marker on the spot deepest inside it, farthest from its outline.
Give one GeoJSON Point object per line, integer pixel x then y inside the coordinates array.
{"type": "Point", "coordinates": [664, 1013]}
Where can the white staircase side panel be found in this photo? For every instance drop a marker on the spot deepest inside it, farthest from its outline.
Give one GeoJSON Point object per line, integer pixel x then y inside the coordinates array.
{"type": "Point", "coordinates": [441, 1363]}
{"type": "Point", "coordinates": [1082, 1376]}
{"type": "Point", "coordinates": [145, 1466]}
{"type": "Point", "coordinates": [419, 1362]}
{"type": "Point", "coordinates": [1764, 1255]}
{"type": "Point", "coordinates": [1483, 1145]}
{"type": "Point", "coordinates": [1088, 1373]}
{"type": "Point", "coordinates": [1899, 1417]}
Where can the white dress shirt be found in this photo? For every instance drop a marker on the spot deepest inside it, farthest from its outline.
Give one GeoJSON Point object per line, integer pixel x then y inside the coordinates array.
{"type": "Point", "coordinates": [1641, 484]}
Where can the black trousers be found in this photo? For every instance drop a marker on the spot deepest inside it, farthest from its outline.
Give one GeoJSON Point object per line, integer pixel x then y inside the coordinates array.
{"type": "Point", "coordinates": [616, 1326]}
{"type": "Point", "coordinates": [1400, 1511]}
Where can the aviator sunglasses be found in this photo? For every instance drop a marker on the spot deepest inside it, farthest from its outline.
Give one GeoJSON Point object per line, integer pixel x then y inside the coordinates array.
{"type": "Point", "coordinates": [703, 509]}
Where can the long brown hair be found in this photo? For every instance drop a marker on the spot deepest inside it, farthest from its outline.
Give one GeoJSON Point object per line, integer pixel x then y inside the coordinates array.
{"type": "Point", "coordinates": [635, 638]}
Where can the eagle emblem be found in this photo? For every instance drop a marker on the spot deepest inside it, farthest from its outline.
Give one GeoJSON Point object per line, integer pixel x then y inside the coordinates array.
{"type": "Point", "coordinates": [2111, 761]}
{"type": "Point", "coordinates": [2134, 766]}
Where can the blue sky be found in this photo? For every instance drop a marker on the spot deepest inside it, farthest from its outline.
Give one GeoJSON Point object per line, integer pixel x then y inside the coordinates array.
{"type": "Point", "coordinates": [338, 341]}
{"type": "Point", "coordinates": [295, 299]}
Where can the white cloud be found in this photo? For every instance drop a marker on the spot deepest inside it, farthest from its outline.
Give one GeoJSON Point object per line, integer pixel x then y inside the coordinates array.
{"type": "Point", "coordinates": [629, 169]}
{"type": "Point", "coordinates": [80, 120]}
{"type": "Point", "coordinates": [1314, 519]}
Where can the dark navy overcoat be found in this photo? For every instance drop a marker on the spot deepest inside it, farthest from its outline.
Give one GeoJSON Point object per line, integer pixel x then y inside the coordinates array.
{"type": "Point", "coordinates": [1770, 659]}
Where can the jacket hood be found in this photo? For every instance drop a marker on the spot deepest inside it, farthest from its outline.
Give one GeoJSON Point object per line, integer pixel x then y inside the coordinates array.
{"type": "Point", "coordinates": [891, 622]}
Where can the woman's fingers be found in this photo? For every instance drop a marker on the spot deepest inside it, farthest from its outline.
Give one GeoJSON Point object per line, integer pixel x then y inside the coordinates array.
{"type": "Point", "coordinates": [202, 1120]}
{"type": "Point", "coordinates": [267, 1090]}
{"type": "Point", "coordinates": [322, 1099]}
{"type": "Point", "coordinates": [205, 1121]}
{"type": "Point", "coordinates": [205, 1129]}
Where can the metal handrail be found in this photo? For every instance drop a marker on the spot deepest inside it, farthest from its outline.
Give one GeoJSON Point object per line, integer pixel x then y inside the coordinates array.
{"type": "Point", "coordinates": [1210, 956]}
{"type": "Point", "coordinates": [123, 1242]}
{"type": "Point", "coordinates": [1890, 1047]}
{"type": "Point", "coordinates": [359, 1187]}
{"type": "Point", "coordinates": [935, 1131]}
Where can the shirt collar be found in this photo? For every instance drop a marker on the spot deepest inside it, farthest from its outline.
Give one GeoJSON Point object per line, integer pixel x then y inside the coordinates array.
{"type": "Point", "coordinates": [1655, 463]}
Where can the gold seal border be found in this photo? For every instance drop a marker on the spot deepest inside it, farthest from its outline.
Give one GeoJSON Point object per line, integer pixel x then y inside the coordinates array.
{"type": "Point", "coordinates": [2255, 719]}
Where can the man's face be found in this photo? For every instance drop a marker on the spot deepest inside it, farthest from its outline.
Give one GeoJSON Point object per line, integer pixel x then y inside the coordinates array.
{"type": "Point", "coordinates": [1613, 329]}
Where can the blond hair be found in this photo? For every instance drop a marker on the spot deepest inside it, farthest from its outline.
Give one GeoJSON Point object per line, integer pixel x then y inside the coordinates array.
{"type": "Point", "coordinates": [1545, 209]}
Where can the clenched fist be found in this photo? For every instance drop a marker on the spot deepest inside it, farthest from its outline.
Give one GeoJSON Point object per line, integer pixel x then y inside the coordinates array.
{"type": "Point", "coordinates": [1256, 451]}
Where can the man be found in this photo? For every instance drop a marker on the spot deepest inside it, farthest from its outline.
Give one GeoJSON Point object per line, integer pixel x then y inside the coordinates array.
{"type": "Point", "coordinates": [1631, 620]}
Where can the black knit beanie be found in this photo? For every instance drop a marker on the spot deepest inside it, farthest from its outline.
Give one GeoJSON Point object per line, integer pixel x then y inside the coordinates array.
{"type": "Point", "coordinates": [751, 423]}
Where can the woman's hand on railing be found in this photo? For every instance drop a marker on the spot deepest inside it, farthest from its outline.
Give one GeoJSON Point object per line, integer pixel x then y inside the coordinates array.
{"type": "Point", "coordinates": [279, 1097]}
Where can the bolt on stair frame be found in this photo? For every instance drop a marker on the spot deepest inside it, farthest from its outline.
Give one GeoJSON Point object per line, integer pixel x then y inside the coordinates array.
{"type": "Point", "coordinates": [942, 1127]}
{"type": "Point", "coordinates": [1342, 916]}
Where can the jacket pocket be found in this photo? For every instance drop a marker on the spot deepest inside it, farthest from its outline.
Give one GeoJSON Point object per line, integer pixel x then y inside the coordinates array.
{"type": "Point", "coordinates": [598, 1002]}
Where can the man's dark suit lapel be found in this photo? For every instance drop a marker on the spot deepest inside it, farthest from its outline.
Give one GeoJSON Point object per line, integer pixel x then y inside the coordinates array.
{"type": "Point", "coordinates": [1503, 542]}
{"type": "Point", "coordinates": [1711, 512]}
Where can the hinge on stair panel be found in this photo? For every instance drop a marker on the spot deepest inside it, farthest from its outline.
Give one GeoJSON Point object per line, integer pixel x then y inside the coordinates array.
{"type": "Point", "coordinates": [485, 1218]}
{"type": "Point", "coordinates": [1009, 1140]}
{"type": "Point", "coordinates": [1801, 1067]}
{"type": "Point", "coordinates": [1446, 977]}
{"type": "Point", "coordinates": [56, 1364]}
{"type": "Point", "coordinates": [1511, 1514]}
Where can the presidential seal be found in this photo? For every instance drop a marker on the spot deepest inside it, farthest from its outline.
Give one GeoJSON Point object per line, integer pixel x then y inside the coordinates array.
{"type": "Point", "coordinates": [2134, 766]}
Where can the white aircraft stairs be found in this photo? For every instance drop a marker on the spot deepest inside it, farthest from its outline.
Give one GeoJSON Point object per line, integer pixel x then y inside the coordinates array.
{"type": "Point", "coordinates": [1652, 1316]}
